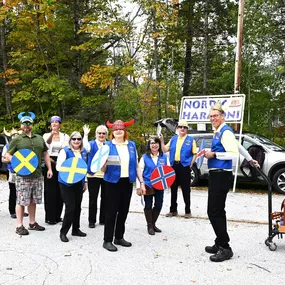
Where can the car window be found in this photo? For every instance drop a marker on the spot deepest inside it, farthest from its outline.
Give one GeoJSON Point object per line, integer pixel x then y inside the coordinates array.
{"type": "Point", "coordinates": [260, 140]}
{"type": "Point", "coordinates": [270, 144]}
{"type": "Point", "coordinates": [246, 144]}
{"type": "Point", "coordinates": [207, 141]}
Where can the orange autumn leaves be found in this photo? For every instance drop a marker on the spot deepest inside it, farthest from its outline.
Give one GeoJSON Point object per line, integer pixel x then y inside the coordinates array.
{"type": "Point", "coordinates": [10, 76]}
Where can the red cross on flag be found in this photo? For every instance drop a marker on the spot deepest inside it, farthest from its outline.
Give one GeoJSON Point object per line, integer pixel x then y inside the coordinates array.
{"type": "Point", "coordinates": [162, 177]}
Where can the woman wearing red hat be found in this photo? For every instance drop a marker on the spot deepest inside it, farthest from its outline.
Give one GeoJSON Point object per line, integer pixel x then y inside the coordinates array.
{"type": "Point", "coordinates": [119, 184]}
{"type": "Point", "coordinates": [55, 141]}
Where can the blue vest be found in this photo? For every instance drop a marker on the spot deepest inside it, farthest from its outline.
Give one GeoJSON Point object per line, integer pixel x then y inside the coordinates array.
{"type": "Point", "coordinates": [218, 147]}
{"type": "Point", "coordinates": [93, 149]}
{"type": "Point", "coordinates": [149, 166]}
{"type": "Point", "coordinates": [9, 165]}
{"type": "Point", "coordinates": [69, 154]}
{"type": "Point", "coordinates": [186, 154]}
{"type": "Point", "coordinates": [113, 172]}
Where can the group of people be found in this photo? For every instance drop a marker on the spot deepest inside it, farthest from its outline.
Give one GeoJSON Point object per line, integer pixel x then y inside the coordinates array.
{"type": "Point", "coordinates": [116, 180]}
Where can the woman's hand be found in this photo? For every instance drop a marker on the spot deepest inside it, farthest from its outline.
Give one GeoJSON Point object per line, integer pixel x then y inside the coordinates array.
{"type": "Point", "coordinates": [85, 186]}
{"type": "Point", "coordinates": [104, 167]}
{"type": "Point", "coordinates": [49, 173]}
{"type": "Point", "coordinates": [143, 190]}
{"type": "Point", "coordinates": [139, 192]}
{"type": "Point", "coordinates": [86, 129]}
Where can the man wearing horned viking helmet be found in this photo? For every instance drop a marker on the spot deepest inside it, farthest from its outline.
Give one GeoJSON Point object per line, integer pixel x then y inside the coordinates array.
{"type": "Point", "coordinates": [29, 188]}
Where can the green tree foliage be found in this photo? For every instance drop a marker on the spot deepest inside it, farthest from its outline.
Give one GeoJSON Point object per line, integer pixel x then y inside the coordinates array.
{"type": "Point", "coordinates": [93, 60]}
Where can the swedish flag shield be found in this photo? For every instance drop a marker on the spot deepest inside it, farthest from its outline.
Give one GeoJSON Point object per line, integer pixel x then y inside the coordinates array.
{"type": "Point", "coordinates": [73, 170]}
{"type": "Point", "coordinates": [24, 162]}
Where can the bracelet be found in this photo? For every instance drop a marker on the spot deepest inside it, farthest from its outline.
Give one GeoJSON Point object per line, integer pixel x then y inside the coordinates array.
{"type": "Point", "coordinates": [141, 182]}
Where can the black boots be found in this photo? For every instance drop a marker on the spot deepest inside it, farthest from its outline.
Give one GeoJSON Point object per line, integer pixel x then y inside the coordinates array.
{"type": "Point", "coordinates": [148, 217]}
{"type": "Point", "coordinates": [151, 216]}
{"type": "Point", "coordinates": [155, 215]}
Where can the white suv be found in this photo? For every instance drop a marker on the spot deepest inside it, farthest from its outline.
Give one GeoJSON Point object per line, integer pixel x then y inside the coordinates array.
{"type": "Point", "coordinates": [274, 161]}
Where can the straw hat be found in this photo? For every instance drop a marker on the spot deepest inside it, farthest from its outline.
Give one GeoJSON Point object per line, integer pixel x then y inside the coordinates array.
{"type": "Point", "coordinates": [218, 106]}
{"type": "Point", "coordinates": [182, 123]}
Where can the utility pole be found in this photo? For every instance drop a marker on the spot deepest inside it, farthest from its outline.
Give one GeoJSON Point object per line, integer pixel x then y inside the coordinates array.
{"type": "Point", "coordinates": [238, 62]}
{"type": "Point", "coordinates": [239, 47]}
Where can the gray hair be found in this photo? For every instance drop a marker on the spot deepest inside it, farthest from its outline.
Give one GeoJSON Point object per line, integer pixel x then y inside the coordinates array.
{"type": "Point", "coordinates": [75, 134]}
{"type": "Point", "coordinates": [102, 127]}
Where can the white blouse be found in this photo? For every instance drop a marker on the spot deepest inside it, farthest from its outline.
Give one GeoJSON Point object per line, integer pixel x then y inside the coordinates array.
{"type": "Point", "coordinates": [62, 157]}
{"type": "Point", "coordinates": [55, 146]}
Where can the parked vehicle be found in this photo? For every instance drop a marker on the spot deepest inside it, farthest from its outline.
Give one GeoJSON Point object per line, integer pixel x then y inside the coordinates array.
{"type": "Point", "coordinates": [3, 141]}
{"type": "Point", "coordinates": [274, 155]}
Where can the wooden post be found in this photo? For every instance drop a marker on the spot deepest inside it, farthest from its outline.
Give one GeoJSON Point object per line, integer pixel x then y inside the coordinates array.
{"type": "Point", "coordinates": [239, 47]}
{"type": "Point", "coordinates": [238, 61]}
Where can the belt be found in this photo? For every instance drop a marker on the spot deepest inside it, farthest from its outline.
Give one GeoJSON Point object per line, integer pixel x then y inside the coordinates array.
{"type": "Point", "coordinates": [217, 170]}
{"type": "Point", "coordinates": [176, 162]}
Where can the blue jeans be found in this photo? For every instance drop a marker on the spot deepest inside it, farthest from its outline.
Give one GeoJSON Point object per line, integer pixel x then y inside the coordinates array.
{"type": "Point", "coordinates": [158, 200]}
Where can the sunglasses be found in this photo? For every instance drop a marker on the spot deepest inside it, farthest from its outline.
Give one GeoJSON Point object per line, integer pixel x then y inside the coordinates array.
{"type": "Point", "coordinates": [76, 139]}
{"type": "Point", "coordinates": [26, 123]}
{"type": "Point", "coordinates": [154, 143]}
{"type": "Point", "coordinates": [101, 134]}
{"type": "Point", "coordinates": [182, 127]}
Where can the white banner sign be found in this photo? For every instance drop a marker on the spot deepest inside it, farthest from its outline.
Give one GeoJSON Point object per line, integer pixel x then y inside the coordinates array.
{"type": "Point", "coordinates": [195, 109]}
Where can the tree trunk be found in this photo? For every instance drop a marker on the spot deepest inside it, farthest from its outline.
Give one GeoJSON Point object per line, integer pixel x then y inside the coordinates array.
{"type": "Point", "coordinates": [5, 66]}
{"type": "Point", "coordinates": [78, 64]}
{"type": "Point", "coordinates": [188, 55]}
{"type": "Point", "coordinates": [157, 73]}
{"type": "Point", "coordinates": [205, 52]}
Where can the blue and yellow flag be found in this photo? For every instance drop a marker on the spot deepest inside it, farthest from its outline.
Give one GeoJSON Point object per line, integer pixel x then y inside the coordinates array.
{"type": "Point", "coordinates": [73, 170]}
{"type": "Point", "coordinates": [24, 162]}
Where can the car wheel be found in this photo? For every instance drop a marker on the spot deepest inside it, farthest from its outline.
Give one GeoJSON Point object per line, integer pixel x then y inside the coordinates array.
{"type": "Point", "coordinates": [194, 176]}
{"type": "Point", "coordinates": [279, 181]}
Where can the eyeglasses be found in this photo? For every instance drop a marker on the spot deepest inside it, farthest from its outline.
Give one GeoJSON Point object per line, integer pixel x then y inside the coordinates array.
{"type": "Point", "coordinates": [76, 139]}
{"type": "Point", "coordinates": [101, 134]}
{"type": "Point", "coordinates": [153, 142]}
{"type": "Point", "coordinates": [182, 127]}
{"type": "Point", "coordinates": [214, 116]}
{"type": "Point", "coordinates": [26, 123]}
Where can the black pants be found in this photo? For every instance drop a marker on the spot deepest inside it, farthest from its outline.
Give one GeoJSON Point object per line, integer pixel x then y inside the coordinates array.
{"type": "Point", "coordinates": [72, 197]}
{"type": "Point", "coordinates": [219, 185]}
{"type": "Point", "coordinates": [93, 188]}
{"type": "Point", "coordinates": [157, 197]}
{"type": "Point", "coordinates": [118, 202]}
{"type": "Point", "coordinates": [12, 198]}
{"type": "Point", "coordinates": [183, 177]}
{"type": "Point", "coordinates": [52, 196]}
